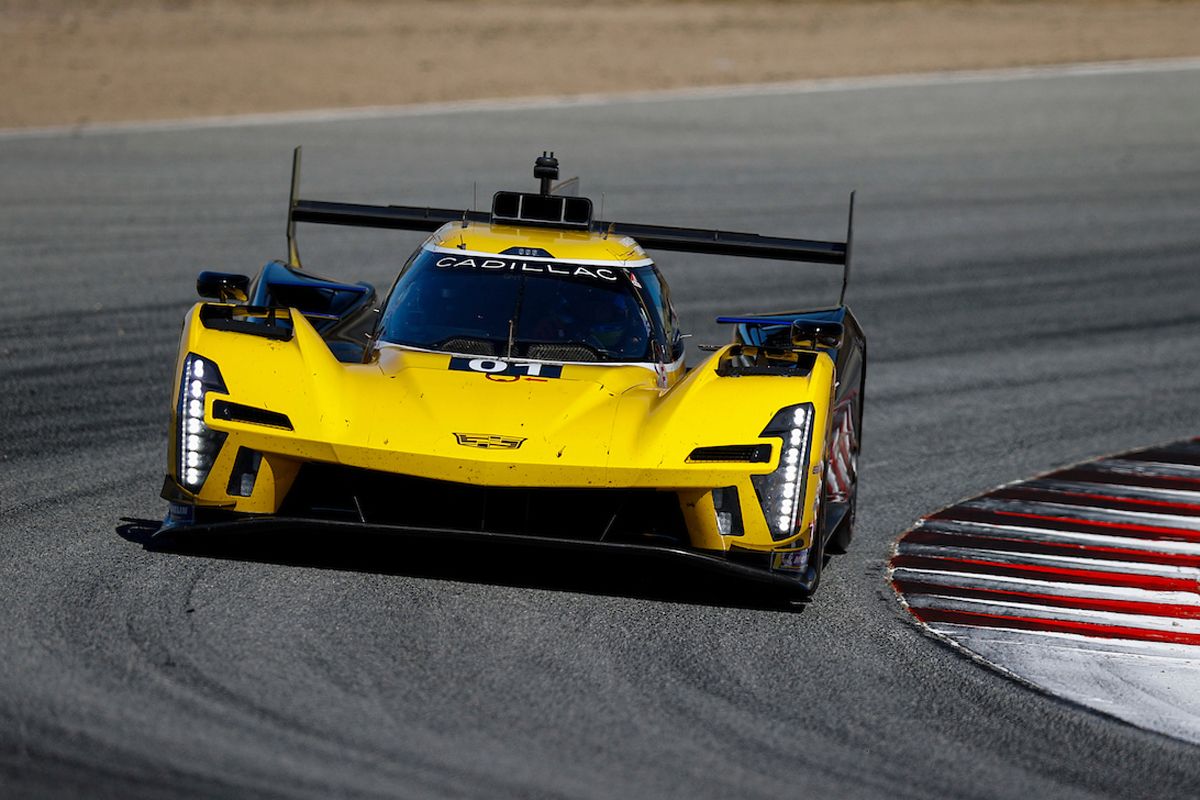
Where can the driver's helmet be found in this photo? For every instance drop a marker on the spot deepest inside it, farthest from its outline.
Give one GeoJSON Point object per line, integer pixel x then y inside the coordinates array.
{"type": "Point", "coordinates": [612, 322]}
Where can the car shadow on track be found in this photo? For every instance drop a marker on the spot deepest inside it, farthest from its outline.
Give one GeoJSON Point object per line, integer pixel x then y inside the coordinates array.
{"type": "Point", "coordinates": [527, 566]}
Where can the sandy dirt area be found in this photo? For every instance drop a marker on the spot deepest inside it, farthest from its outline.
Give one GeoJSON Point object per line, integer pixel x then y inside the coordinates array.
{"type": "Point", "coordinates": [81, 61]}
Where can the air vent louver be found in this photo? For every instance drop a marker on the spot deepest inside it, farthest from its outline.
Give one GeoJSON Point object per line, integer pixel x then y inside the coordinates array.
{"type": "Point", "coordinates": [748, 453]}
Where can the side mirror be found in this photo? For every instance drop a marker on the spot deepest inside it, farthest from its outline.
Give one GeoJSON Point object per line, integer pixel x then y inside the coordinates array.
{"type": "Point", "coordinates": [677, 346]}
{"type": "Point", "coordinates": [223, 286]}
{"type": "Point", "coordinates": [817, 334]}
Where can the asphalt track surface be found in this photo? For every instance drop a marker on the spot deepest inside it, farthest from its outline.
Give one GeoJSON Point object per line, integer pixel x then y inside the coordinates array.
{"type": "Point", "coordinates": [1027, 272]}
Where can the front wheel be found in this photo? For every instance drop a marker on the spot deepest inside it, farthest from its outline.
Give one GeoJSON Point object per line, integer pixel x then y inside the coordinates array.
{"type": "Point", "coordinates": [816, 551]}
{"type": "Point", "coordinates": [839, 540]}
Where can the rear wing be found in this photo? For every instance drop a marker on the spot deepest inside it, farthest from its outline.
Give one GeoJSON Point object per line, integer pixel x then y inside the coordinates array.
{"type": "Point", "coordinates": [572, 213]}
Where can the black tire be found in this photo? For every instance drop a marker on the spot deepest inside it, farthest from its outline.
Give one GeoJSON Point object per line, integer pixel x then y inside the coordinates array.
{"type": "Point", "coordinates": [839, 540]}
{"type": "Point", "coordinates": [816, 555]}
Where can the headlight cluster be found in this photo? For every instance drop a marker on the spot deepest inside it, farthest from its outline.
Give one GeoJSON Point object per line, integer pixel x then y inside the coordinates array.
{"type": "Point", "coordinates": [198, 444]}
{"type": "Point", "coordinates": [781, 492]}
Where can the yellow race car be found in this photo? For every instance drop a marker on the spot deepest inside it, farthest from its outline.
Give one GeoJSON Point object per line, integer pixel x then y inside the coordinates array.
{"type": "Point", "coordinates": [524, 379]}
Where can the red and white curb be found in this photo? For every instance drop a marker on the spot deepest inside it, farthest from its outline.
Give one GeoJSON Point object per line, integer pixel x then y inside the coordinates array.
{"type": "Point", "coordinates": [1084, 582]}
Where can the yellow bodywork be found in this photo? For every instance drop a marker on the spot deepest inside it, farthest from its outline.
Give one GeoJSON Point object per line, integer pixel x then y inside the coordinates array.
{"type": "Point", "coordinates": [595, 426]}
{"type": "Point", "coordinates": [567, 245]}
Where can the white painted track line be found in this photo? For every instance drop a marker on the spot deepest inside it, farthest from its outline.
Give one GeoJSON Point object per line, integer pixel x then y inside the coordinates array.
{"type": "Point", "coordinates": [1015, 533]}
{"type": "Point", "coordinates": [965, 579]}
{"type": "Point", "coordinates": [1081, 562]}
{"type": "Point", "coordinates": [535, 103]}
{"type": "Point", "coordinates": [1116, 491]}
{"type": "Point", "coordinates": [1074, 513]}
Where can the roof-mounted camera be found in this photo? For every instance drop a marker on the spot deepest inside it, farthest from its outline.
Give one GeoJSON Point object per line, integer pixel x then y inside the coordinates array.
{"type": "Point", "coordinates": [545, 169]}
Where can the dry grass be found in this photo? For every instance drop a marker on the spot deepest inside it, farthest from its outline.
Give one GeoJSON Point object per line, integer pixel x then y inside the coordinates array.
{"type": "Point", "coordinates": [99, 60]}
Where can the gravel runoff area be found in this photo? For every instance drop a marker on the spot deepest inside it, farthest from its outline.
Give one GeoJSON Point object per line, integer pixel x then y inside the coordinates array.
{"type": "Point", "coordinates": [74, 62]}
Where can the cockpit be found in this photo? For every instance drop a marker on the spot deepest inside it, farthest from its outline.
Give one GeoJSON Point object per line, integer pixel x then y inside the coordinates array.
{"type": "Point", "coordinates": [519, 307]}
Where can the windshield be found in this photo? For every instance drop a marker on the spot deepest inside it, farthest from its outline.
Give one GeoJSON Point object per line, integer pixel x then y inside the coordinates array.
{"type": "Point", "coordinates": [511, 307]}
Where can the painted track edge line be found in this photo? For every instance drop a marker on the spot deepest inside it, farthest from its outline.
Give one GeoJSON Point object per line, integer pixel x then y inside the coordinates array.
{"type": "Point", "coordinates": [599, 99]}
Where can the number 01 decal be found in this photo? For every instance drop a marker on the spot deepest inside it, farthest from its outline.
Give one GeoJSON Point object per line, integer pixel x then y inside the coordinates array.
{"type": "Point", "coordinates": [492, 366]}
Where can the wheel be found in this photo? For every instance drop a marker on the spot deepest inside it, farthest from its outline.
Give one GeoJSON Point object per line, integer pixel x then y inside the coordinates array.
{"type": "Point", "coordinates": [816, 553]}
{"type": "Point", "coordinates": [839, 540]}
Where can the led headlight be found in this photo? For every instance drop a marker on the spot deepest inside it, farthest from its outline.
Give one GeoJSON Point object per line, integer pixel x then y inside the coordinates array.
{"type": "Point", "coordinates": [781, 492]}
{"type": "Point", "coordinates": [197, 444]}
